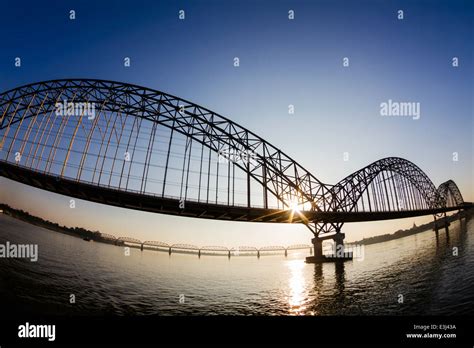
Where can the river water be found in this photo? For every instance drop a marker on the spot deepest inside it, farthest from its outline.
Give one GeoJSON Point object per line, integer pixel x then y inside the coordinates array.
{"type": "Point", "coordinates": [411, 275]}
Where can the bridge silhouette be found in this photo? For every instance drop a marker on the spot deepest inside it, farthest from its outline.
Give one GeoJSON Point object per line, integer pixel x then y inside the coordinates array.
{"type": "Point", "coordinates": [133, 147]}
{"type": "Point", "coordinates": [203, 250]}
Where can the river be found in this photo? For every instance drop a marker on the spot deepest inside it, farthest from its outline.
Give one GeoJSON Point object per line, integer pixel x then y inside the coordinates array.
{"type": "Point", "coordinates": [412, 275]}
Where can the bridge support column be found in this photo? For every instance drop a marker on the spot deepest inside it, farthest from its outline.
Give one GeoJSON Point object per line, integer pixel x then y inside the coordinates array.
{"type": "Point", "coordinates": [339, 254]}
{"type": "Point", "coordinates": [441, 223]}
{"type": "Point", "coordinates": [436, 226]}
{"type": "Point", "coordinates": [339, 244]}
{"type": "Point", "coordinates": [317, 256]}
{"type": "Point", "coordinates": [317, 247]}
{"type": "Point", "coordinates": [446, 229]}
{"type": "Point", "coordinates": [462, 215]}
{"type": "Point", "coordinates": [446, 225]}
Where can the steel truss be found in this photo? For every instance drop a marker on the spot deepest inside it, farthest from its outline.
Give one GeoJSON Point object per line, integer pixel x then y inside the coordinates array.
{"type": "Point", "coordinates": [130, 119]}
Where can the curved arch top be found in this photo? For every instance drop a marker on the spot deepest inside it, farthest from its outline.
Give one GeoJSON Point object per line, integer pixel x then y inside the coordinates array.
{"type": "Point", "coordinates": [135, 147]}
{"type": "Point", "coordinates": [279, 175]}
{"type": "Point", "coordinates": [396, 176]}
{"type": "Point", "coordinates": [450, 194]}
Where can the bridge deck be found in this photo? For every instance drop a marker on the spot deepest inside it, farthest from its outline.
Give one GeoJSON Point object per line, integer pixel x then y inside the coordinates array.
{"type": "Point", "coordinates": [165, 205]}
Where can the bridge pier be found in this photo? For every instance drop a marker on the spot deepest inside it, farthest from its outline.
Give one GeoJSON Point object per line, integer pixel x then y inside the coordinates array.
{"type": "Point", "coordinates": [462, 215]}
{"type": "Point", "coordinates": [339, 254]}
{"type": "Point", "coordinates": [317, 248]}
{"type": "Point", "coordinates": [441, 223]}
{"type": "Point", "coordinates": [339, 243]}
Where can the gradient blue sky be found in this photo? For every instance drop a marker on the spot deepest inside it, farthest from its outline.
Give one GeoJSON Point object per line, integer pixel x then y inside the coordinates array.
{"type": "Point", "coordinates": [282, 62]}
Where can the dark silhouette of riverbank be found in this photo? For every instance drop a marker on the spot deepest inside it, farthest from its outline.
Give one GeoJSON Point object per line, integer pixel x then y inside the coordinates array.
{"type": "Point", "coordinates": [408, 232]}
{"type": "Point", "coordinates": [37, 221]}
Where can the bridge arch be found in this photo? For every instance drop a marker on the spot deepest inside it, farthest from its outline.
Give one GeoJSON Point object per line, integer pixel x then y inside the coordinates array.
{"type": "Point", "coordinates": [269, 171]}
{"type": "Point", "coordinates": [389, 184]}
{"type": "Point", "coordinates": [134, 147]}
{"type": "Point", "coordinates": [450, 194]}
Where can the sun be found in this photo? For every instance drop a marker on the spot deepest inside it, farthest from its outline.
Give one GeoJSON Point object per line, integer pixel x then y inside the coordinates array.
{"type": "Point", "coordinates": [294, 207]}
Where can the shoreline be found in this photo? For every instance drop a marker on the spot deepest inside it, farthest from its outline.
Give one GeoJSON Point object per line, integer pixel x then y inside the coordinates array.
{"type": "Point", "coordinates": [97, 236]}
{"type": "Point", "coordinates": [411, 231]}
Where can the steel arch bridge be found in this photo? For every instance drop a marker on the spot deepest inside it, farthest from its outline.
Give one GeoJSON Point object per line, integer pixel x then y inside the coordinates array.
{"type": "Point", "coordinates": [134, 147]}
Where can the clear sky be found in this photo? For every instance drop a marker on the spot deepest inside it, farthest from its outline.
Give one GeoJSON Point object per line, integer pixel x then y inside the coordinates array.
{"type": "Point", "coordinates": [282, 62]}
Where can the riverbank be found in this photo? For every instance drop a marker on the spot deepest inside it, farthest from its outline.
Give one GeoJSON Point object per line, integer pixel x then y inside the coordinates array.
{"type": "Point", "coordinates": [411, 231]}
{"type": "Point", "coordinates": [78, 232]}
{"type": "Point", "coordinates": [96, 236]}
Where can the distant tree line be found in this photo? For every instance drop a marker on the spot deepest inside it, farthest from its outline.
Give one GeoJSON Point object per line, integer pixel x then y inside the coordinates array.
{"type": "Point", "coordinates": [25, 216]}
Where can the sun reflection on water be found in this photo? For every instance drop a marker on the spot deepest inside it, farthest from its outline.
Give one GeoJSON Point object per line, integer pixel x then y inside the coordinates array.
{"type": "Point", "coordinates": [298, 295]}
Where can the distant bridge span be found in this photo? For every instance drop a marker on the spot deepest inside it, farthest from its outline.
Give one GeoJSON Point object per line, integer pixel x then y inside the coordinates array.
{"type": "Point", "coordinates": [134, 147]}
